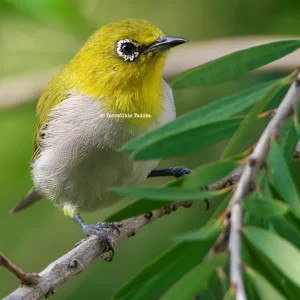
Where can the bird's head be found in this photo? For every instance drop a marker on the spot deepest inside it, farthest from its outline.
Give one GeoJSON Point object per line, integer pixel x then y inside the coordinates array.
{"type": "Point", "coordinates": [125, 51]}
{"type": "Point", "coordinates": [122, 63]}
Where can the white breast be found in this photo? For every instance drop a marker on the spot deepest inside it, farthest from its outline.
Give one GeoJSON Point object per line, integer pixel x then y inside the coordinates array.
{"type": "Point", "coordinates": [79, 159]}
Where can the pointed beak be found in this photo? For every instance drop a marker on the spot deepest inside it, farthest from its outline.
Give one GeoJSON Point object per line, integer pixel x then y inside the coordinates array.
{"type": "Point", "coordinates": [164, 43]}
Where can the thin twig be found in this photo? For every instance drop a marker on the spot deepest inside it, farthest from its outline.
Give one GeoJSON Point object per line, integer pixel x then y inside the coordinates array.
{"type": "Point", "coordinates": [76, 260]}
{"type": "Point", "coordinates": [255, 161]}
{"type": "Point", "coordinates": [25, 278]}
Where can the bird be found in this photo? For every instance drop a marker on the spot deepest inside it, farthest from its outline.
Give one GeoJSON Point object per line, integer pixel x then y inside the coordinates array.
{"type": "Point", "coordinates": [93, 106]}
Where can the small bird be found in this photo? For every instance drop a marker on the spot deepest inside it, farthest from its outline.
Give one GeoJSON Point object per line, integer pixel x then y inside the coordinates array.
{"type": "Point", "coordinates": [90, 109]}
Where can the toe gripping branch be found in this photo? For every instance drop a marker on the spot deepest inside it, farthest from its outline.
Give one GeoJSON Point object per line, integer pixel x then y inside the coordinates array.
{"type": "Point", "coordinates": [98, 229]}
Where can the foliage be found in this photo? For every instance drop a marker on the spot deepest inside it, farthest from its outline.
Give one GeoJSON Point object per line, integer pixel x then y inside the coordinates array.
{"type": "Point", "coordinates": [270, 246]}
{"type": "Point", "coordinates": [279, 229]}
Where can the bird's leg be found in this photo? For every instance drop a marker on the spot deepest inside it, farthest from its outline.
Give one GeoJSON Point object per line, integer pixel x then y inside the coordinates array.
{"type": "Point", "coordinates": [174, 171]}
{"type": "Point", "coordinates": [98, 229]}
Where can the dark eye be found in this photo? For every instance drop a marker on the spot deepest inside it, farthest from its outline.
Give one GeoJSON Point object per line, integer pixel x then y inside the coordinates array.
{"type": "Point", "coordinates": [128, 48]}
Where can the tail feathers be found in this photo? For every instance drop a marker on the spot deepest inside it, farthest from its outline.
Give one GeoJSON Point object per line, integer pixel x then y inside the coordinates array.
{"type": "Point", "coordinates": [32, 197]}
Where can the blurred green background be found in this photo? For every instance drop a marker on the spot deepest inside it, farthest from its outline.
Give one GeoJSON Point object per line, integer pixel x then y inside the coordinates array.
{"type": "Point", "coordinates": [42, 34]}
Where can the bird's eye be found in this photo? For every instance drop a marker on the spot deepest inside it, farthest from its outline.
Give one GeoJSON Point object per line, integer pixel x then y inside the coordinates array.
{"type": "Point", "coordinates": [127, 50]}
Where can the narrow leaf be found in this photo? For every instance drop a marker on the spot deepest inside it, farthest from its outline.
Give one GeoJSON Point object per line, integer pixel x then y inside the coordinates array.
{"type": "Point", "coordinates": [264, 207]}
{"type": "Point", "coordinates": [210, 173]}
{"type": "Point", "coordinates": [281, 177]}
{"type": "Point", "coordinates": [258, 261]}
{"type": "Point", "coordinates": [195, 280]}
{"type": "Point", "coordinates": [297, 128]}
{"type": "Point", "coordinates": [230, 295]}
{"type": "Point", "coordinates": [215, 111]}
{"type": "Point", "coordinates": [280, 252]}
{"type": "Point", "coordinates": [154, 279]}
{"type": "Point", "coordinates": [165, 193]}
{"type": "Point", "coordinates": [189, 140]}
{"type": "Point", "coordinates": [221, 207]}
{"type": "Point", "coordinates": [235, 64]}
{"type": "Point", "coordinates": [250, 119]}
{"type": "Point", "coordinates": [286, 230]}
{"type": "Point", "coordinates": [139, 206]}
{"type": "Point", "coordinates": [295, 210]}
{"type": "Point", "coordinates": [288, 140]}
{"type": "Point", "coordinates": [202, 233]}
{"type": "Point", "coordinates": [264, 289]}
{"type": "Point", "coordinates": [296, 121]}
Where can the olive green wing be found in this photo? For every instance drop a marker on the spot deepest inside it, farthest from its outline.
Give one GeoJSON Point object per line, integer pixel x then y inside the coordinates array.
{"type": "Point", "coordinates": [55, 93]}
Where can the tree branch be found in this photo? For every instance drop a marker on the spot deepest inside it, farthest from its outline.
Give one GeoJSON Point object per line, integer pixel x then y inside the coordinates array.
{"type": "Point", "coordinates": [76, 260]}
{"type": "Point", "coordinates": [255, 162]}
{"type": "Point", "coordinates": [25, 278]}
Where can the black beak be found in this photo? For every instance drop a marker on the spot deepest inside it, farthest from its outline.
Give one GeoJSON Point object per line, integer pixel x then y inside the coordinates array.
{"type": "Point", "coordinates": [164, 43]}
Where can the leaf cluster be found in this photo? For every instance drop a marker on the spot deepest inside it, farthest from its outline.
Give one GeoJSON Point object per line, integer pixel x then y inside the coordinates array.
{"type": "Point", "coordinates": [271, 236]}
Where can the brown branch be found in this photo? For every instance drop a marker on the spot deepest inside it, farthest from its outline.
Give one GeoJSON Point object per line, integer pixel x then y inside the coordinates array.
{"type": "Point", "coordinates": [25, 278]}
{"type": "Point", "coordinates": [255, 162]}
{"type": "Point", "coordinates": [76, 260]}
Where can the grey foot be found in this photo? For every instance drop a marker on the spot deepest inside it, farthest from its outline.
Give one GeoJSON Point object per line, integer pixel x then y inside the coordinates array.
{"type": "Point", "coordinates": [99, 229]}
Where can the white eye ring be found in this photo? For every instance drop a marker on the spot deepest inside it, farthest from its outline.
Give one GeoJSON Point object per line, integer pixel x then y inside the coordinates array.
{"type": "Point", "coordinates": [127, 57]}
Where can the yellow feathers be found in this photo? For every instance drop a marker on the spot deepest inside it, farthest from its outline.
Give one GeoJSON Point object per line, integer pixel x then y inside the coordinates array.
{"type": "Point", "coordinates": [123, 86]}
{"type": "Point", "coordinates": [121, 66]}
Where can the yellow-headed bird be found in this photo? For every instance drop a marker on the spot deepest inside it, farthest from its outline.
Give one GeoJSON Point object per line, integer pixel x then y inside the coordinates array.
{"type": "Point", "coordinates": [109, 93]}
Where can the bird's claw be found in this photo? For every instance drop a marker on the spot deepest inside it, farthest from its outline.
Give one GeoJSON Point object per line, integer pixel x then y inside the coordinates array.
{"type": "Point", "coordinates": [180, 171]}
{"type": "Point", "coordinates": [105, 225]}
{"type": "Point", "coordinates": [99, 230]}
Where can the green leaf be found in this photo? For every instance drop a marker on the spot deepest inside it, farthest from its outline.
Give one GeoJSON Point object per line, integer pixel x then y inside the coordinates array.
{"type": "Point", "coordinates": [235, 64]}
{"type": "Point", "coordinates": [209, 173]}
{"type": "Point", "coordinates": [288, 140]}
{"type": "Point", "coordinates": [281, 177]}
{"type": "Point", "coordinates": [141, 205]}
{"type": "Point", "coordinates": [280, 252]}
{"type": "Point", "coordinates": [250, 291]}
{"type": "Point", "coordinates": [202, 233]}
{"type": "Point", "coordinates": [250, 119]}
{"type": "Point", "coordinates": [257, 260]}
{"type": "Point", "coordinates": [264, 207]}
{"type": "Point", "coordinates": [189, 140]}
{"type": "Point", "coordinates": [295, 210]}
{"type": "Point", "coordinates": [286, 230]}
{"type": "Point", "coordinates": [230, 295]}
{"type": "Point", "coordinates": [221, 207]}
{"type": "Point", "coordinates": [215, 111]}
{"type": "Point", "coordinates": [297, 128]}
{"type": "Point", "coordinates": [264, 289]}
{"type": "Point", "coordinates": [165, 193]}
{"type": "Point", "coordinates": [296, 121]}
{"type": "Point", "coordinates": [154, 279]}
{"type": "Point", "coordinates": [205, 294]}
{"type": "Point", "coordinates": [195, 280]}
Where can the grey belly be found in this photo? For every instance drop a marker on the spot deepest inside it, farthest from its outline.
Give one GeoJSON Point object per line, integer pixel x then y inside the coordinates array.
{"type": "Point", "coordinates": [79, 156]}
{"type": "Point", "coordinates": [84, 181]}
